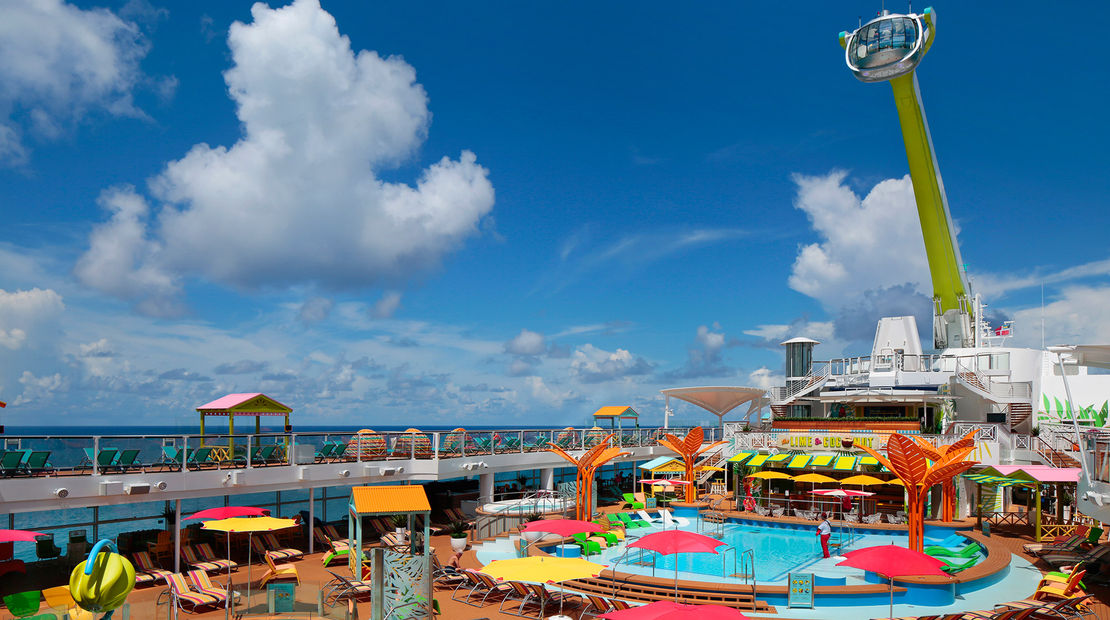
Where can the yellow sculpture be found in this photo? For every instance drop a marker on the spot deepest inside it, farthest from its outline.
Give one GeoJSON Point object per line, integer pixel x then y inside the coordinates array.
{"type": "Point", "coordinates": [908, 461]}
{"type": "Point", "coordinates": [102, 583]}
{"type": "Point", "coordinates": [587, 465]}
{"type": "Point", "coordinates": [689, 448]}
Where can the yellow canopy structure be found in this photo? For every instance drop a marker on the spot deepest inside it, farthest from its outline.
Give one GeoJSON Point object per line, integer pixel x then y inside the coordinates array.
{"type": "Point", "coordinates": [249, 524]}
{"type": "Point", "coordinates": [542, 569]}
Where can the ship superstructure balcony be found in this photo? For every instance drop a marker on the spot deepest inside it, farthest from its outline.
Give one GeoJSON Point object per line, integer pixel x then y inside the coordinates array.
{"type": "Point", "coordinates": [51, 472]}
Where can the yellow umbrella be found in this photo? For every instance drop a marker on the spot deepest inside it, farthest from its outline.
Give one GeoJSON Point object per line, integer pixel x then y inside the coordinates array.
{"type": "Point", "coordinates": [862, 480]}
{"type": "Point", "coordinates": [541, 569]}
{"type": "Point", "coordinates": [897, 481]}
{"type": "Point", "coordinates": [248, 525]}
{"type": "Point", "coordinates": [709, 468]}
{"type": "Point", "coordinates": [811, 477]}
{"type": "Point", "coordinates": [770, 475]}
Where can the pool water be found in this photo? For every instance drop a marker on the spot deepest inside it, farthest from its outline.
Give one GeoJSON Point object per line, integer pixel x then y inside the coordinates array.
{"type": "Point", "coordinates": [776, 551]}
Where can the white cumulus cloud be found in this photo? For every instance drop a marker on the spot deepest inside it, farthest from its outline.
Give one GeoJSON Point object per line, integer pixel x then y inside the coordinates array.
{"type": "Point", "coordinates": [593, 365]}
{"type": "Point", "coordinates": [27, 317]}
{"type": "Point", "coordinates": [297, 198]}
{"type": "Point", "coordinates": [866, 243]}
{"type": "Point", "coordinates": [58, 63]}
{"type": "Point", "coordinates": [527, 342]}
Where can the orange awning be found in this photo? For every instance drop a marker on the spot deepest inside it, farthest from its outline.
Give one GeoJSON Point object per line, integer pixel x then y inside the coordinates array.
{"type": "Point", "coordinates": [393, 499]}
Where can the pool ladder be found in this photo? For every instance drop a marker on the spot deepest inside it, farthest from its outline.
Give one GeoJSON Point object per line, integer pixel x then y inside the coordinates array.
{"type": "Point", "coordinates": [743, 566]}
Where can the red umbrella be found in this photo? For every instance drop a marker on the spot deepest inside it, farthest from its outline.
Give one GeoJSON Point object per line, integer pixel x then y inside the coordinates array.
{"type": "Point", "coordinates": [892, 561]}
{"type": "Point", "coordinates": [18, 536]}
{"type": "Point", "coordinates": [227, 512]}
{"type": "Point", "coordinates": [670, 542]}
{"type": "Point", "coordinates": [562, 527]}
{"type": "Point", "coordinates": [676, 611]}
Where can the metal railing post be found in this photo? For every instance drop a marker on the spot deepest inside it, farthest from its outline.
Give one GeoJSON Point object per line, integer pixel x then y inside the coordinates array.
{"type": "Point", "coordinates": [96, 456]}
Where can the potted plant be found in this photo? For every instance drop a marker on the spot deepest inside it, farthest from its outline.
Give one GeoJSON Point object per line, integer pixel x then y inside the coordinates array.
{"type": "Point", "coordinates": [399, 523]}
{"type": "Point", "coordinates": [459, 533]}
{"type": "Point", "coordinates": [531, 536]}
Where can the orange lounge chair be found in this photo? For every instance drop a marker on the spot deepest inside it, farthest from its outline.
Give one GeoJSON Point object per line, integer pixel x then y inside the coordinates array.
{"type": "Point", "coordinates": [278, 571]}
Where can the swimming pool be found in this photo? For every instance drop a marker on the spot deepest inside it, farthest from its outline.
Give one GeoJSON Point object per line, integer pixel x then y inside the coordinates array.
{"type": "Point", "coordinates": [776, 551]}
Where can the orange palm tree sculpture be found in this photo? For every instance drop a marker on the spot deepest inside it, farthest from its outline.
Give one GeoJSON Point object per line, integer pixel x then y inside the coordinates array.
{"type": "Point", "coordinates": [908, 461]}
{"type": "Point", "coordinates": [948, 487]}
{"type": "Point", "coordinates": [689, 448]}
{"type": "Point", "coordinates": [587, 465]}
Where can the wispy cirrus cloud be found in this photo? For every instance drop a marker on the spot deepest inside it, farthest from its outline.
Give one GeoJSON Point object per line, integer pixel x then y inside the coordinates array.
{"type": "Point", "coordinates": [582, 254]}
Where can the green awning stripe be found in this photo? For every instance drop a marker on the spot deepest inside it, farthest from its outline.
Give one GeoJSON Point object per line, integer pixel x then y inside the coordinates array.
{"type": "Point", "coordinates": [799, 461]}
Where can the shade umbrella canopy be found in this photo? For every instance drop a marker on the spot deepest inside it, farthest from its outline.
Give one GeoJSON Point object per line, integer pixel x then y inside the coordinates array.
{"type": "Point", "coordinates": [893, 561]}
{"type": "Point", "coordinates": [663, 482]}
{"type": "Point", "coordinates": [563, 527]}
{"type": "Point", "coordinates": [669, 542]}
{"type": "Point", "coordinates": [18, 536]}
{"type": "Point", "coordinates": [541, 569]}
{"type": "Point", "coordinates": [862, 480]}
{"type": "Point", "coordinates": [811, 477]}
{"type": "Point", "coordinates": [226, 512]}
{"type": "Point", "coordinates": [842, 493]}
{"type": "Point", "coordinates": [770, 475]}
{"type": "Point", "coordinates": [897, 481]}
{"type": "Point", "coordinates": [249, 524]}
{"type": "Point", "coordinates": [676, 611]}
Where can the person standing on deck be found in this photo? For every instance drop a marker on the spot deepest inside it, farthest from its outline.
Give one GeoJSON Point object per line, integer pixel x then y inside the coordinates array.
{"type": "Point", "coordinates": [824, 531]}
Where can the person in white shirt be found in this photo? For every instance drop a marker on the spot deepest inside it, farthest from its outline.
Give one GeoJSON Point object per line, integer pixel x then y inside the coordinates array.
{"type": "Point", "coordinates": [824, 531]}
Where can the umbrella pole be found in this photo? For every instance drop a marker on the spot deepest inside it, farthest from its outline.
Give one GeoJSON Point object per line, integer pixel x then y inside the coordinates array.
{"type": "Point", "coordinates": [676, 577]}
{"type": "Point", "coordinates": [248, 569]}
{"type": "Point", "coordinates": [891, 597]}
{"type": "Point", "coordinates": [227, 603]}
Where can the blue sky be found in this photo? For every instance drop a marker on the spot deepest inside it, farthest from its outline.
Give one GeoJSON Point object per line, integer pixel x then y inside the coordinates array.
{"type": "Point", "coordinates": [384, 213]}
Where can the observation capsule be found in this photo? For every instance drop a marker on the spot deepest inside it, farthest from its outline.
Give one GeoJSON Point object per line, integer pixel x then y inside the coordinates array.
{"type": "Point", "coordinates": [888, 46]}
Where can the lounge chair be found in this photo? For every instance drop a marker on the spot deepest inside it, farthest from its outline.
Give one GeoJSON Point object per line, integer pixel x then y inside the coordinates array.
{"type": "Point", "coordinates": [589, 547]}
{"type": "Point", "coordinates": [278, 571]}
{"type": "Point", "coordinates": [602, 541]}
{"type": "Point", "coordinates": [11, 462]}
{"type": "Point", "coordinates": [954, 565]}
{"type": "Point", "coordinates": [37, 463]}
{"type": "Point", "coordinates": [145, 570]}
{"type": "Point", "coordinates": [203, 585]}
{"type": "Point", "coordinates": [207, 554]}
{"type": "Point", "coordinates": [630, 523]}
{"type": "Point", "coordinates": [597, 605]}
{"type": "Point", "coordinates": [1055, 591]}
{"type": "Point", "coordinates": [1068, 545]}
{"type": "Point", "coordinates": [192, 559]}
{"type": "Point", "coordinates": [199, 458]}
{"type": "Point", "coordinates": [340, 588]}
{"type": "Point", "coordinates": [1092, 557]}
{"type": "Point", "coordinates": [965, 552]}
{"type": "Point", "coordinates": [23, 604]}
{"type": "Point", "coordinates": [185, 598]}
{"type": "Point", "coordinates": [1072, 607]}
{"type": "Point", "coordinates": [630, 501]}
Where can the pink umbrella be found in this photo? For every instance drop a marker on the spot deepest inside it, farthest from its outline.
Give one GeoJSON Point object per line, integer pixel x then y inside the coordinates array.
{"type": "Point", "coordinates": [18, 536]}
{"type": "Point", "coordinates": [670, 542]}
{"type": "Point", "coordinates": [563, 527]}
{"type": "Point", "coordinates": [676, 611]}
{"type": "Point", "coordinates": [663, 481]}
{"type": "Point", "coordinates": [227, 512]}
{"type": "Point", "coordinates": [892, 561]}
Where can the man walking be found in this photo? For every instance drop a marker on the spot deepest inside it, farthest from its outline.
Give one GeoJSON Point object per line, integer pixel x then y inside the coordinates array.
{"type": "Point", "coordinates": [824, 531]}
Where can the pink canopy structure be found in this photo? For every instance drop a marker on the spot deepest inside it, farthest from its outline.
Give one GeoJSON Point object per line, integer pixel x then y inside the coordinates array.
{"type": "Point", "coordinates": [18, 536]}
{"type": "Point", "coordinates": [563, 527]}
{"type": "Point", "coordinates": [892, 561]}
{"type": "Point", "coordinates": [226, 512]}
{"type": "Point", "coordinates": [670, 542]}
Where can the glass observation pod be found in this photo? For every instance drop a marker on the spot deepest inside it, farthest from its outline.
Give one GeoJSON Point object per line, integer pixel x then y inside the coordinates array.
{"type": "Point", "coordinates": [886, 47]}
